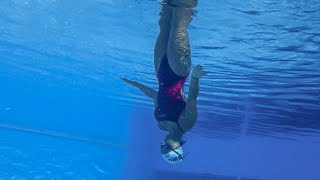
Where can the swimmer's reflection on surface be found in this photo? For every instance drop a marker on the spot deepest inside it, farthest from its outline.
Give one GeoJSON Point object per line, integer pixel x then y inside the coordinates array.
{"type": "Point", "coordinates": [172, 61]}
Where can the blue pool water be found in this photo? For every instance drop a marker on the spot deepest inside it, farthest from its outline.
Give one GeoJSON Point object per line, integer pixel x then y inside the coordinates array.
{"type": "Point", "coordinates": [64, 113]}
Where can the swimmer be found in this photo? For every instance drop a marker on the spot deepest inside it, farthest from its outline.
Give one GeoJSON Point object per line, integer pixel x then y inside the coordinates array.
{"type": "Point", "coordinates": [174, 113]}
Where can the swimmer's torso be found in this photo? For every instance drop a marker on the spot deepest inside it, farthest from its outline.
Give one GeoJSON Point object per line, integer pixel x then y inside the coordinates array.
{"type": "Point", "coordinates": [170, 102]}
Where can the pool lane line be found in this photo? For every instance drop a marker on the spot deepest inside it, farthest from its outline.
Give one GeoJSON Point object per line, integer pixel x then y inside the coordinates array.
{"type": "Point", "coordinates": [62, 135]}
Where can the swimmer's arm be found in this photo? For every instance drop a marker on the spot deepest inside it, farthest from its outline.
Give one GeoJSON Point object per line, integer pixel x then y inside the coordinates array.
{"type": "Point", "coordinates": [194, 88]}
{"type": "Point", "coordinates": [146, 90]}
{"type": "Point", "coordinates": [189, 117]}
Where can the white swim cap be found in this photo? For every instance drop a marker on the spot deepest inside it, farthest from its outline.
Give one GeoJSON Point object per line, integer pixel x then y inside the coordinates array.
{"type": "Point", "coordinates": [175, 156]}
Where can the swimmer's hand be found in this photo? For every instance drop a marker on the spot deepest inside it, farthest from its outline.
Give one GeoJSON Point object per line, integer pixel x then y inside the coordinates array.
{"type": "Point", "coordinates": [198, 72]}
{"type": "Point", "coordinates": [128, 81]}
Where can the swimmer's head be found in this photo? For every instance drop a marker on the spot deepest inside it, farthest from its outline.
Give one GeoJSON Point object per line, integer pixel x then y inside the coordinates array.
{"type": "Point", "coordinates": [171, 151]}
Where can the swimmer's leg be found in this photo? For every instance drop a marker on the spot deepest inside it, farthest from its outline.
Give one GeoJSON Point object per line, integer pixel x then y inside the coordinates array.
{"type": "Point", "coordinates": [161, 44]}
{"type": "Point", "coordinates": [179, 54]}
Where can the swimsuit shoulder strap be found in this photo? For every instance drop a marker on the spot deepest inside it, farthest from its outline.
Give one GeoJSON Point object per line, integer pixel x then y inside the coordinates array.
{"type": "Point", "coordinates": [180, 127]}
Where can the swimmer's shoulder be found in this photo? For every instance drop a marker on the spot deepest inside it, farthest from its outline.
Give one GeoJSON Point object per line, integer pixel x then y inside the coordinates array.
{"type": "Point", "coordinates": [170, 126]}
